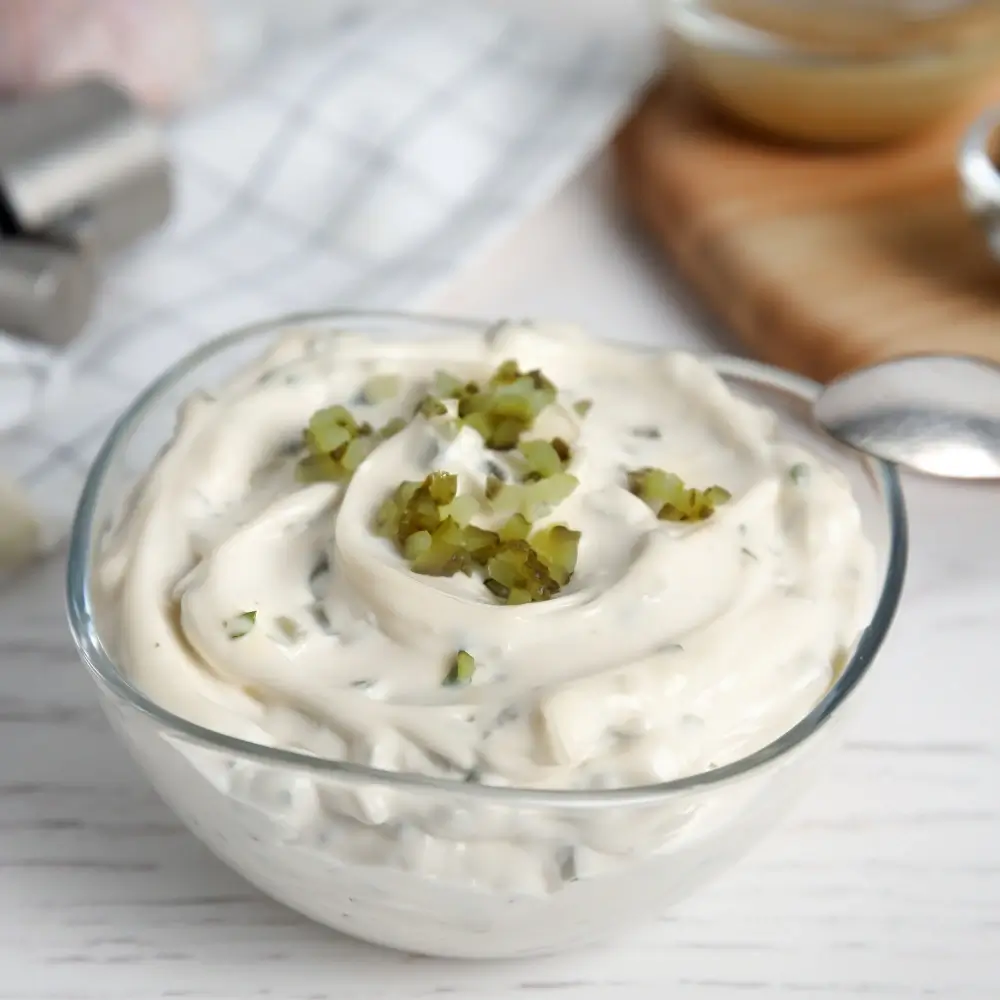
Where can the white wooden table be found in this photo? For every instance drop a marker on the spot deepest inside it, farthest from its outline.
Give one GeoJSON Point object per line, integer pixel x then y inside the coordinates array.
{"type": "Point", "coordinates": [886, 882]}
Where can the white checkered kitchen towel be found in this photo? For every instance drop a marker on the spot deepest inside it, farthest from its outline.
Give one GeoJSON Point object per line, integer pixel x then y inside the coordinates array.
{"type": "Point", "coordinates": [359, 172]}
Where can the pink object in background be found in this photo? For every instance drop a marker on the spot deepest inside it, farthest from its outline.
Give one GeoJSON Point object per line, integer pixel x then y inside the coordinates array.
{"type": "Point", "coordinates": [158, 50]}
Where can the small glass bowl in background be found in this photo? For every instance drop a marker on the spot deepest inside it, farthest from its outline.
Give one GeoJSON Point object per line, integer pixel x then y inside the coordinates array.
{"type": "Point", "coordinates": [834, 71]}
{"type": "Point", "coordinates": [445, 867]}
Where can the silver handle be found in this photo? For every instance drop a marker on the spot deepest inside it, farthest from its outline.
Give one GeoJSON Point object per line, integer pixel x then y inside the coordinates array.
{"type": "Point", "coordinates": [979, 171]}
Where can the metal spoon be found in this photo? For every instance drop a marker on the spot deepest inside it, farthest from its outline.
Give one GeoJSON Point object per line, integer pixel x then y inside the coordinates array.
{"type": "Point", "coordinates": [939, 414]}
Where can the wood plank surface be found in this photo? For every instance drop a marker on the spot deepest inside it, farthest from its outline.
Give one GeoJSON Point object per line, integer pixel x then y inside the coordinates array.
{"type": "Point", "coordinates": [820, 261]}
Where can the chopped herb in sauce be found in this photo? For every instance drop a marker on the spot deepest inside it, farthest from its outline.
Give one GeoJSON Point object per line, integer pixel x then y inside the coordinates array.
{"type": "Point", "coordinates": [566, 861]}
{"type": "Point", "coordinates": [799, 473]}
{"type": "Point", "coordinates": [582, 407]}
{"type": "Point", "coordinates": [649, 433]}
{"type": "Point", "coordinates": [289, 629]}
{"type": "Point", "coordinates": [240, 625]}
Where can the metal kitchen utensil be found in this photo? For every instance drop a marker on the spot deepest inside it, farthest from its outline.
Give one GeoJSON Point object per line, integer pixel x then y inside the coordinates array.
{"type": "Point", "coordinates": [83, 174]}
{"type": "Point", "coordinates": [939, 414]}
{"type": "Point", "coordinates": [46, 292]}
{"type": "Point", "coordinates": [87, 146]}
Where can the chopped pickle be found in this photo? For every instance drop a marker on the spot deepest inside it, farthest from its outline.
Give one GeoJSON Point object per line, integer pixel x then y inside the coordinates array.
{"type": "Point", "coordinates": [667, 495]}
{"type": "Point", "coordinates": [535, 499]}
{"type": "Point", "coordinates": [480, 543]}
{"type": "Point", "coordinates": [417, 544]}
{"type": "Point", "coordinates": [515, 528]}
{"type": "Point", "coordinates": [541, 458]}
{"type": "Point", "coordinates": [517, 567]}
{"type": "Point", "coordinates": [557, 547]}
{"type": "Point", "coordinates": [325, 426]}
{"type": "Point", "coordinates": [336, 444]}
{"type": "Point", "coordinates": [496, 588]}
{"type": "Point", "coordinates": [494, 484]}
{"type": "Point", "coordinates": [562, 449]}
{"type": "Point", "coordinates": [463, 509]}
{"type": "Point", "coordinates": [462, 669]}
{"type": "Point", "coordinates": [446, 386]}
{"type": "Point", "coordinates": [505, 407]}
{"type": "Point", "coordinates": [330, 439]}
{"type": "Point", "coordinates": [379, 388]}
{"type": "Point", "coordinates": [391, 428]}
{"type": "Point", "coordinates": [446, 554]}
{"type": "Point", "coordinates": [240, 624]}
{"type": "Point", "coordinates": [442, 487]}
{"type": "Point", "coordinates": [419, 518]}
{"type": "Point", "coordinates": [356, 452]}
{"type": "Point", "coordinates": [410, 509]}
{"type": "Point", "coordinates": [431, 406]}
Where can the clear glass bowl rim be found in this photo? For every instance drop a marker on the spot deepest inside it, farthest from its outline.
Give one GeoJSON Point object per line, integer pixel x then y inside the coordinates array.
{"type": "Point", "coordinates": [112, 680]}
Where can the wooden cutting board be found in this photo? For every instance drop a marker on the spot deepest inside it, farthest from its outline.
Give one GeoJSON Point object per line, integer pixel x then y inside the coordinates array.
{"type": "Point", "coordinates": [820, 261]}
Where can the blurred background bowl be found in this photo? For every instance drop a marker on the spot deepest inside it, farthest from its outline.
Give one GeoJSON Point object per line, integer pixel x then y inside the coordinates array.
{"type": "Point", "coordinates": [834, 71]}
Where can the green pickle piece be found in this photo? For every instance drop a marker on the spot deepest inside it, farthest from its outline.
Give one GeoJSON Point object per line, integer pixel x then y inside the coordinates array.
{"type": "Point", "coordinates": [480, 543]}
{"type": "Point", "coordinates": [391, 428]}
{"type": "Point", "coordinates": [541, 458]}
{"type": "Point", "coordinates": [446, 554]}
{"type": "Point", "coordinates": [462, 669]}
{"type": "Point", "coordinates": [516, 528]}
{"type": "Point", "coordinates": [446, 386]}
{"type": "Point", "coordinates": [239, 625]}
{"type": "Point", "coordinates": [417, 544]}
{"type": "Point", "coordinates": [379, 388]}
{"type": "Point", "coordinates": [517, 567]}
{"type": "Point", "coordinates": [463, 509]}
{"type": "Point", "coordinates": [506, 406]}
{"type": "Point", "coordinates": [430, 407]}
{"type": "Point", "coordinates": [557, 547]}
{"type": "Point", "coordinates": [431, 524]}
{"type": "Point", "coordinates": [667, 495]}
{"type": "Point", "coordinates": [336, 444]}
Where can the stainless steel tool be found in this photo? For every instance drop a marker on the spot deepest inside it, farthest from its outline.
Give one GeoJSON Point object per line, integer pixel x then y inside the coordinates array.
{"type": "Point", "coordinates": [83, 174]}
{"type": "Point", "coordinates": [939, 414]}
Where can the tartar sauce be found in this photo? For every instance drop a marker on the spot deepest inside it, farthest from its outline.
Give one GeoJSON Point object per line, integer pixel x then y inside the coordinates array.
{"type": "Point", "coordinates": [271, 609]}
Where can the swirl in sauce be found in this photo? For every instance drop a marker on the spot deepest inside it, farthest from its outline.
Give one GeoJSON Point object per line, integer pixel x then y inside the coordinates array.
{"type": "Point", "coordinates": [674, 648]}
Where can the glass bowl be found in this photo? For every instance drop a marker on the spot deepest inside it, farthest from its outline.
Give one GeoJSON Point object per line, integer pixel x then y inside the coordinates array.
{"type": "Point", "coordinates": [834, 71]}
{"type": "Point", "coordinates": [438, 866]}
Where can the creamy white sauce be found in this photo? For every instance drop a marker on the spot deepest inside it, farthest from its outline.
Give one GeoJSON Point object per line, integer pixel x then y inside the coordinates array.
{"type": "Point", "coordinates": [674, 649]}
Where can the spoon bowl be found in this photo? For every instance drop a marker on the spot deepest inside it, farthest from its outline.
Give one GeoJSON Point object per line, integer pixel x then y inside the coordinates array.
{"type": "Point", "coordinates": [938, 414]}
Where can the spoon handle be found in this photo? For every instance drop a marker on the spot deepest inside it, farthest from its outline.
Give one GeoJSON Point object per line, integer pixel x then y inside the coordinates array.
{"type": "Point", "coordinates": [979, 172]}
